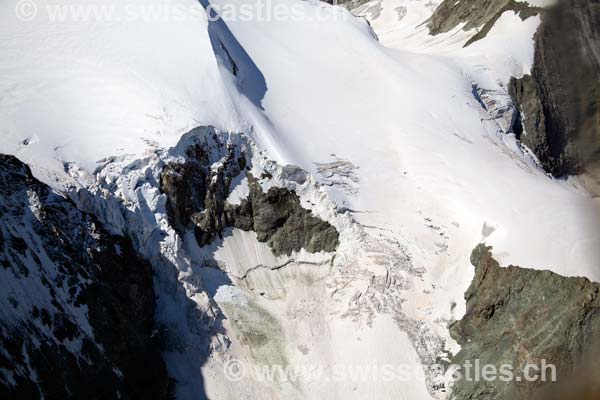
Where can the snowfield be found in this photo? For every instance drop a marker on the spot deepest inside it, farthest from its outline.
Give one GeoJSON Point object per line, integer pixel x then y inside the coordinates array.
{"type": "Point", "coordinates": [405, 162]}
{"type": "Point", "coordinates": [434, 167]}
{"type": "Point", "coordinates": [80, 92]}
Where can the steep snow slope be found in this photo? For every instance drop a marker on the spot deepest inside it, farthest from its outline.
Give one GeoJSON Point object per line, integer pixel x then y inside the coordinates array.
{"type": "Point", "coordinates": [407, 165]}
{"type": "Point", "coordinates": [233, 300]}
{"type": "Point", "coordinates": [402, 137]}
{"type": "Point", "coordinates": [424, 146]}
{"type": "Point", "coordinates": [78, 91]}
{"type": "Point", "coordinates": [77, 303]}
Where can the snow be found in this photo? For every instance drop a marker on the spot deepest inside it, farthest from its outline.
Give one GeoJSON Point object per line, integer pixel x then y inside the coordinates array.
{"type": "Point", "coordinates": [538, 3]}
{"type": "Point", "coordinates": [240, 191]}
{"type": "Point", "coordinates": [86, 91]}
{"type": "Point", "coordinates": [433, 166]}
{"type": "Point", "coordinates": [424, 145]}
{"type": "Point", "coordinates": [231, 294]}
{"type": "Point", "coordinates": [391, 130]}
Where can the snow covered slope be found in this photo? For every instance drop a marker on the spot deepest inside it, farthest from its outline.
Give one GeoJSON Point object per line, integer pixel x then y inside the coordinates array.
{"type": "Point", "coordinates": [234, 300]}
{"type": "Point", "coordinates": [77, 303]}
{"type": "Point", "coordinates": [77, 92]}
{"type": "Point", "coordinates": [433, 166]}
{"type": "Point", "coordinates": [405, 140]}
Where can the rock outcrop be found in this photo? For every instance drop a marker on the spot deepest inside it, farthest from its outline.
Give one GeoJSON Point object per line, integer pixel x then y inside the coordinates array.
{"type": "Point", "coordinates": [475, 14]}
{"type": "Point", "coordinates": [517, 316]}
{"type": "Point", "coordinates": [560, 100]}
{"type": "Point", "coordinates": [197, 190]}
{"type": "Point", "coordinates": [77, 303]}
{"type": "Point", "coordinates": [278, 219]}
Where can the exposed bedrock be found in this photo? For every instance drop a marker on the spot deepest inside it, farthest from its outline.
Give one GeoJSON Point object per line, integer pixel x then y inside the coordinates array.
{"type": "Point", "coordinates": [517, 316]}
{"type": "Point", "coordinates": [197, 188]}
{"type": "Point", "coordinates": [560, 100]}
{"type": "Point", "coordinates": [475, 14]}
{"type": "Point", "coordinates": [77, 303]}
{"type": "Point", "coordinates": [279, 219]}
{"type": "Point", "coordinates": [349, 4]}
{"type": "Point", "coordinates": [197, 192]}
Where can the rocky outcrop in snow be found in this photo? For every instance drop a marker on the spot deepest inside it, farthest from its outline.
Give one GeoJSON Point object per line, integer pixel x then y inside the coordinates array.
{"type": "Point", "coordinates": [276, 250]}
{"type": "Point", "coordinates": [175, 204]}
{"type": "Point", "coordinates": [475, 14]}
{"type": "Point", "coordinates": [517, 316]}
{"type": "Point", "coordinates": [197, 192]}
{"type": "Point", "coordinates": [197, 188]}
{"type": "Point", "coordinates": [77, 302]}
{"type": "Point", "coordinates": [560, 100]}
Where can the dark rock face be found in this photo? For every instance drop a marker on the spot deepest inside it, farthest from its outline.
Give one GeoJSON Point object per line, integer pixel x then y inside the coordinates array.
{"type": "Point", "coordinates": [78, 303]}
{"type": "Point", "coordinates": [516, 316]}
{"type": "Point", "coordinates": [560, 101]}
{"type": "Point", "coordinates": [349, 4]}
{"type": "Point", "coordinates": [196, 198]}
{"type": "Point", "coordinates": [196, 192]}
{"type": "Point", "coordinates": [278, 219]}
{"type": "Point", "coordinates": [479, 14]}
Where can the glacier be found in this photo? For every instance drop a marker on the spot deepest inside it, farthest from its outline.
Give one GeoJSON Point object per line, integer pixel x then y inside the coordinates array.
{"type": "Point", "coordinates": [406, 148]}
